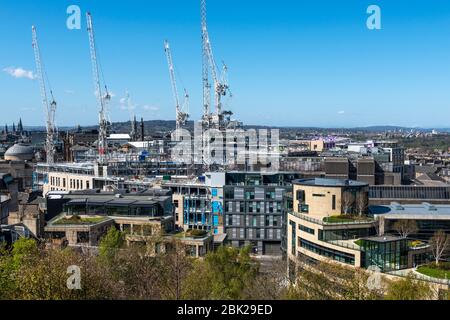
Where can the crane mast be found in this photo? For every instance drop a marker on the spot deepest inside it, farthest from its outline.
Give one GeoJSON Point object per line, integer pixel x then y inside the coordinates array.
{"type": "Point", "coordinates": [181, 115]}
{"type": "Point", "coordinates": [49, 108]}
{"type": "Point", "coordinates": [102, 100]}
{"type": "Point", "coordinates": [220, 84]}
{"type": "Point", "coordinates": [205, 74]}
{"type": "Point", "coordinates": [132, 116]}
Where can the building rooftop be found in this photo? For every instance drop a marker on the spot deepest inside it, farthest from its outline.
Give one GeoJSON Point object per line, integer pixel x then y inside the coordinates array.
{"type": "Point", "coordinates": [93, 197]}
{"type": "Point", "coordinates": [322, 182]}
{"type": "Point", "coordinates": [423, 211]}
{"type": "Point", "coordinates": [383, 239]}
{"type": "Point", "coordinates": [78, 220]}
{"type": "Point", "coordinates": [21, 151]}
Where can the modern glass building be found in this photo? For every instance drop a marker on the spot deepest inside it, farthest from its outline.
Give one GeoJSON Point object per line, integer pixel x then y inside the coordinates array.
{"type": "Point", "coordinates": [386, 252]}
{"type": "Point", "coordinates": [255, 209]}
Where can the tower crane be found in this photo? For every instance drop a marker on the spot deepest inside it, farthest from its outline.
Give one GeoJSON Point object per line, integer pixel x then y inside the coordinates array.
{"type": "Point", "coordinates": [132, 116]}
{"type": "Point", "coordinates": [220, 81]}
{"type": "Point", "coordinates": [102, 100]}
{"type": "Point", "coordinates": [181, 110]}
{"type": "Point", "coordinates": [205, 70]}
{"type": "Point", "coordinates": [49, 107]}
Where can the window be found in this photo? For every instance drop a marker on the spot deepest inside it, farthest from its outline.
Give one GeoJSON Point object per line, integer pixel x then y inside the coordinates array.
{"type": "Point", "coordinates": [229, 193]}
{"type": "Point", "coordinates": [318, 195]}
{"type": "Point", "coordinates": [301, 196]}
{"type": "Point", "coordinates": [175, 203]}
{"type": "Point", "coordinates": [275, 221]}
{"type": "Point", "coordinates": [326, 252]}
{"type": "Point", "coordinates": [270, 195]}
{"type": "Point", "coordinates": [306, 229]}
{"type": "Point", "coordinates": [333, 202]}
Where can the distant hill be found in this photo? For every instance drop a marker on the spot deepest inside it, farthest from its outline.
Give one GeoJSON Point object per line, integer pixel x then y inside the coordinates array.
{"type": "Point", "coordinates": [164, 126]}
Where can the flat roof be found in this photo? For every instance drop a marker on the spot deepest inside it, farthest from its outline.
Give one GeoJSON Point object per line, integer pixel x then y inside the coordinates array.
{"type": "Point", "coordinates": [383, 238]}
{"type": "Point", "coordinates": [323, 182]}
{"type": "Point", "coordinates": [423, 211]}
{"type": "Point", "coordinates": [131, 199]}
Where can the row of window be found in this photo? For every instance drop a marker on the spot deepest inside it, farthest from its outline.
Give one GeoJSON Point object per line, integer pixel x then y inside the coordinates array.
{"type": "Point", "coordinates": [253, 220]}
{"type": "Point", "coordinates": [305, 229]}
{"type": "Point", "coordinates": [327, 252]}
{"type": "Point", "coordinates": [345, 234]}
{"type": "Point", "coordinates": [254, 206]}
{"type": "Point", "coordinates": [73, 183]}
{"type": "Point", "coordinates": [258, 193]}
{"type": "Point", "coordinates": [242, 233]}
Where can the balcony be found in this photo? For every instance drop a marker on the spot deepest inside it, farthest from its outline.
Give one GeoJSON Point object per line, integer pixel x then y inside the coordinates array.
{"type": "Point", "coordinates": [330, 222]}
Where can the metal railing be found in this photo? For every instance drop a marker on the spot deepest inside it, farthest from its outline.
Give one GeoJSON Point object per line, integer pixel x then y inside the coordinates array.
{"type": "Point", "coordinates": [345, 244]}
{"type": "Point", "coordinates": [418, 276]}
{"type": "Point", "coordinates": [325, 223]}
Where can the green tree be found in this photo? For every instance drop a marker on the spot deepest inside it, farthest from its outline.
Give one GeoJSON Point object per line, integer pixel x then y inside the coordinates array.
{"type": "Point", "coordinates": [23, 254]}
{"type": "Point", "coordinates": [409, 288]}
{"type": "Point", "coordinates": [23, 251]}
{"type": "Point", "coordinates": [110, 244]}
{"type": "Point", "coordinates": [223, 274]}
{"type": "Point", "coordinates": [330, 281]}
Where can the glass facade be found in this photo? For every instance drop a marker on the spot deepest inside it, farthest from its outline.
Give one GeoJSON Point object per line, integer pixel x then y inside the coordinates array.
{"type": "Point", "coordinates": [387, 255]}
{"type": "Point", "coordinates": [327, 252]}
{"type": "Point", "coordinates": [428, 227]}
{"type": "Point", "coordinates": [305, 229]}
{"type": "Point", "coordinates": [409, 192]}
{"type": "Point", "coordinates": [345, 234]}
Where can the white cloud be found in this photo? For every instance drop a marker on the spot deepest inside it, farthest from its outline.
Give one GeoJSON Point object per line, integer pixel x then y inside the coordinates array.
{"type": "Point", "coordinates": [124, 104]}
{"type": "Point", "coordinates": [150, 108]}
{"type": "Point", "coordinates": [341, 112]}
{"type": "Point", "coordinates": [20, 73]}
{"type": "Point", "coordinates": [28, 109]}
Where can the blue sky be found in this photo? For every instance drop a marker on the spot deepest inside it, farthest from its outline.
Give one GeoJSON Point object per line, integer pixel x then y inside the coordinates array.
{"type": "Point", "coordinates": [291, 62]}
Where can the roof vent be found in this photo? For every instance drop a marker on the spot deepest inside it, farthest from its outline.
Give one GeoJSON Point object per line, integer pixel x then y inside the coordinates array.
{"type": "Point", "coordinates": [397, 206]}
{"type": "Point", "coordinates": [429, 206]}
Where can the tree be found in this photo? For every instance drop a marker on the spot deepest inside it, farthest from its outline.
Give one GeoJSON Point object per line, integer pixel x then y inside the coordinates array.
{"type": "Point", "coordinates": [329, 280]}
{"type": "Point", "coordinates": [377, 224]}
{"type": "Point", "coordinates": [405, 227]}
{"type": "Point", "coordinates": [175, 266]}
{"type": "Point", "coordinates": [347, 201]}
{"type": "Point", "coordinates": [361, 203]}
{"type": "Point", "coordinates": [439, 244]}
{"type": "Point", "coordinates": [270, 283]}
{"type": "Point", "coordinates": [110, 243]}
{"type": "Point", "coordinates": [223, 274]}
{"type": "Point", "coordinates": [409, 288]}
